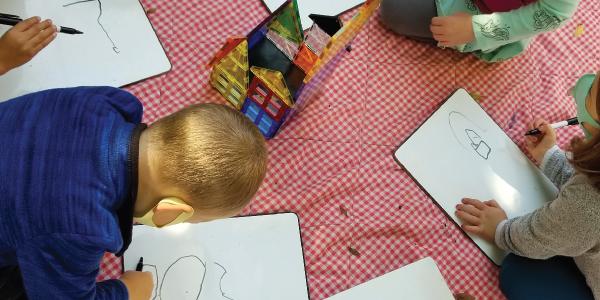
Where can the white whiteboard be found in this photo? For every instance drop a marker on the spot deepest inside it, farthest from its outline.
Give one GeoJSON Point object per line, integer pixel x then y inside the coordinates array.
{"type": "Point", "coordinates": [319, 7]}
{"type": "Point", "coordinates": [246, 258]}
{"type": "Point", "coordinates": [461, 152]}
{"type": "Point", "coordinates": [89, 58]}
{"type": "Point", "coordinates": [420, 280]}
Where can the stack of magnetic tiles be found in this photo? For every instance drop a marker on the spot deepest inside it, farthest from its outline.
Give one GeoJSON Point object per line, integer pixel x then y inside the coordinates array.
{"type": "Point", "coordinates": [264, 73]}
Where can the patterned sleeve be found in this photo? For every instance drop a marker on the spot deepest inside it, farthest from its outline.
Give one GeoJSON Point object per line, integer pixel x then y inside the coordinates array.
{"type": "Point", "coordinates": [498, 29]}
{"type": "Point", "coordinates": [556, 166]}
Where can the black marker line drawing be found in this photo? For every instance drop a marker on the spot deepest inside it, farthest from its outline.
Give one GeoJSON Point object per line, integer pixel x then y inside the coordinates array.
{"type": "Point", "coordinates": [477, 143]}
{"type": "Point", "coordinates": [114, 46]}
{"type": "Point", "coordinates": [159, 294]}
{"type": "Point", "coordinates": [480, 146]}
{"type": "Point", "coordinates": [221, 281]}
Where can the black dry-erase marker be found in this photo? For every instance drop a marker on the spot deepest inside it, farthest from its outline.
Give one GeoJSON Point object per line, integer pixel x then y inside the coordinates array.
{"type": "Point", "coordinates": [12, 20]}
{"type": "Point", "coordinates": [140, 265]}
{"type": "Point", "coordinates": [569, 122]}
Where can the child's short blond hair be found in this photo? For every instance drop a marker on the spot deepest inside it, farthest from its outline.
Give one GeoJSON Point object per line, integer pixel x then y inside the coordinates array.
{"type": "Point", "coordinates": [213, 153]}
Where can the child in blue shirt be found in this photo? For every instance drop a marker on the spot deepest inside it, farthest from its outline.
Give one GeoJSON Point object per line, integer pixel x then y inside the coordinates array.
{"type": "Point", "coordinates": [77, 166]}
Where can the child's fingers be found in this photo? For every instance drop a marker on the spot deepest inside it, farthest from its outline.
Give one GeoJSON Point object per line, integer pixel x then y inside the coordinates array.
{"type": "Point", "coordinates": [37, 28]}
{"type": "Point", "coordinates": [531, 140]}
{"type": "Point", "coordinates": [41, 37]}
{"type": "Point", "coordinates": [439, 21]}
{"type": "Point", "coordinates": [45, 42]}
{"type": "Point", "coordinates": [539, 122]}
{"type": "Point", "coordinates": [472, 229]}
{"type": "Point", "coordinates": [470, 209]}
{"type": "Point", "coordinates": [26, 24]}
{"type": "Point", "coordinates": [467, 218]}
{"type": "Point", "coordinates": [438, 30]}
{"type": "Point", "coordinates": [478, 204]}
{"type": "Point", "coordinates": [492, 203]}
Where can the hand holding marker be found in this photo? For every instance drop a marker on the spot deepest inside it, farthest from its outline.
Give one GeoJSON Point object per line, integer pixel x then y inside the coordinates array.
{"type": "Point", "coordinates": [13, 20]}
{"type": "Point", "coordinates": [571, 121]}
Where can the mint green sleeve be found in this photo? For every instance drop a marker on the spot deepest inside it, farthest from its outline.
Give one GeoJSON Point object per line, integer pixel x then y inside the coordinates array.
{"type": "Point", "coordinates": [493, 31]}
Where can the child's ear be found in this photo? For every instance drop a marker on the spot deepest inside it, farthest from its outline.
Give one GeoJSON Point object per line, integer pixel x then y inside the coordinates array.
{"type": "Point", "coordinates": [165, 212]}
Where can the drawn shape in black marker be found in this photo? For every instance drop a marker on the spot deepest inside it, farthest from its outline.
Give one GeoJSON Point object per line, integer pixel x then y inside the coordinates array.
{"type": "Point", "coordinates": [185, 276]}
{"type": "Point", "coordinates": [114, 46]}
{"type": "Point", "coordinates": [478, 144]}
{"type": "Point", "coordinates": [466, 134]}
{"type": "Point", "coordinates": [221, 281]}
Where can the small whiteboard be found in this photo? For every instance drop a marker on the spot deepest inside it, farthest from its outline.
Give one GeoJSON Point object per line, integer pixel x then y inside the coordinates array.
{"type": "Point", "coordinates": [118, 47]}
{"type": "Point", "coordinates": [246, 258]}
{"type": "Point", "coordinates": [319, 7]}
{"type": "Point", "coordinates": [461, 152]}
{"type": "Point", "coordinates": [420, 280]}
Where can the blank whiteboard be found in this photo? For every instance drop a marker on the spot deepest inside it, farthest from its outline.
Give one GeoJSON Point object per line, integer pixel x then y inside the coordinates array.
{"type": "Point", "coordinates": [461, 152]}
{"type": "Point", "coordinates": [90, 58]}
{"type": "Point", "coordinates": [420, 280]}
{"type": "Point", "coordinates": [249, 258]}
{"type": "Point", "coordinates": [319, 7]}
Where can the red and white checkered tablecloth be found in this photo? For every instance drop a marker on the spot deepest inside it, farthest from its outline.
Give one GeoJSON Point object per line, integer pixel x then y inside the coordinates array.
{"type": "Point", "coordinates": [332, 164]}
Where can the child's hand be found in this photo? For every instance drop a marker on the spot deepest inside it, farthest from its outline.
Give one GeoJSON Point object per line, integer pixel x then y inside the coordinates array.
{"type": "Point", "coordinates": [480, 218]}
{"type": "Point", "coordinates": [22, 42]}
{"type": "Point", "coordinates": [452, 30]}
{"type": "Point", "coordinates": [139, 284]}
{"type": "Point", "coordinates": [540, 144]}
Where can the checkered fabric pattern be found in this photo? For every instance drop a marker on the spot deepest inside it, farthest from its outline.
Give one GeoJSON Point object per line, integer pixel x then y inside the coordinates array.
{"type": "Point", "coordinates": [361, 214]}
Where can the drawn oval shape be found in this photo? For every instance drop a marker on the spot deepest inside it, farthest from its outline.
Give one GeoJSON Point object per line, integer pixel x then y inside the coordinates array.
{"type": "Point", "coordinates": [469, 135]}
{"type": "Point", "coordinates": [183, 279]}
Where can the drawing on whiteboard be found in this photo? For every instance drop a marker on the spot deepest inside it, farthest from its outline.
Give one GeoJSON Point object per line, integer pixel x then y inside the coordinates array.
{"type": "Point", "coordinates": [114, 46]}
{"type": "Point", "coordinates": [221, 281]}
{"type": "Point", "coordinates": [186, 263]}
{"type": "Point", "coordinates": [169, 283]}
{"type": "Point", "coordinates": [466, 133]}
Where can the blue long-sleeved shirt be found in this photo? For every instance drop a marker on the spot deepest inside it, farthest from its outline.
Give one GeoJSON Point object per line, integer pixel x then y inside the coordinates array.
{"type": "Point", "coordinates": [67, 187]}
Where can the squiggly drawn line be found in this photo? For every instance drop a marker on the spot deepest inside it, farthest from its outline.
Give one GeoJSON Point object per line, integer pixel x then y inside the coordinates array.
{"type": "Point", "coordinates": [221, 281]}
{"type": "Point", "coordinates": [175, 262]}
{"type": "Point", "coordinates": [115, 48]}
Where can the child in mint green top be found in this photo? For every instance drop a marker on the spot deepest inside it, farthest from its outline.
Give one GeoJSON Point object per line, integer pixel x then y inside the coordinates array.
{"type": "Point", "coordinates": [461, 24]}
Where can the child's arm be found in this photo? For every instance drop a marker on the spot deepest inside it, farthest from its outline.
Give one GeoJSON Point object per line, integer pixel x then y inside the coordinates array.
{"type": "Point", "coordinates": [22, 42]}
{"type": "Point", "coordinates": [543, 149]}
{"type": "Point", "coordinates": [567, 226]}
{"type": "Point", "coordinates": [486, 34]}
{"type": "Point", "coordinates": [62, 266]}
{"type": "Point", "coordinates": [498, 29]}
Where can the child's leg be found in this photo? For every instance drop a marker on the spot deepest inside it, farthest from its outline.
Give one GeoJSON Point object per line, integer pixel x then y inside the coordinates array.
{"type": "Point", "coordinates": [531, 279]}
{"type": "Point", "coordinates": [410, 18]}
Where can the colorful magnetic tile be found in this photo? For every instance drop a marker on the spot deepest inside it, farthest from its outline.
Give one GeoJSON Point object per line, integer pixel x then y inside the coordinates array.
{"type": "Point", "coordinates": [344, 36]}
{"type": "Point", "coordinates": [229, 45]}
{"type": "Point", "coordinates": [305, 59]}
{"type": "Point", "coordinates": [269, 102]}
{"type": "Point", "coordinates": [266, 125]}
{"type": "Point", "coordinates": [286, 46]}
{"type": "Point", "coordinates": [288, 24]}
{"type": "Point", "coordinates": [317, 39]}
{"type": "Point", "coordinates": [275, 82]}
{"type": "Point", "coordinates": [230, 74]}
